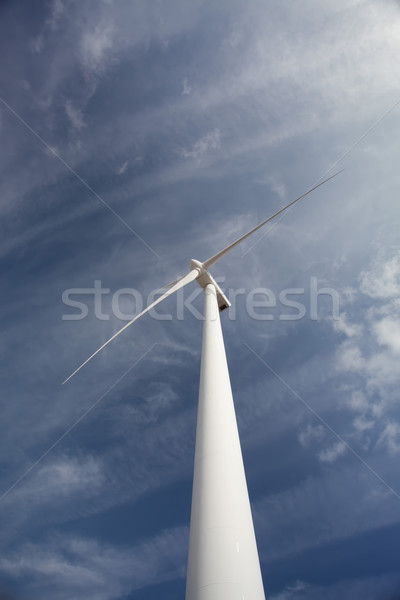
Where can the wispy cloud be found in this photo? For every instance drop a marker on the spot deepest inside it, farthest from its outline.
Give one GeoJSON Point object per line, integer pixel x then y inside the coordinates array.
{"type": "Point", "coordinates": [332, 453]}
{"type": "Point", "coordinates": [383, 279]}
{"type": "Point", "coordinates": [368, 587]}
{"type": "Point", "coordinates": [311, 434]}
{"type": "Point", "coordinates": [96, 46]}
{"type": "Point", "coordinates": [121, 170]}
{"type": "Point", "coordinates": [387, 333]}
{"type": "Point", "coordinates": [82, 567]}
{"type": "Point", "coordinates": [37, 44]}
{"type": "Point", "coordinates": [350, 358]}
{"type": "Point", "coordinates": [350, 330]}
{"type": "Point", "coordinates": [203, 146]}
{"type": "Point", "coordinates": [214, 106]}
{"type": "Point", "coordinates": [390, 438]}
{"type": "Point", "coordinates": [75, 115]}
{"type": "Point", "coordinates": [57, 10]}
{"type": "Point", "coordinates": [287, 518]}
{"type": "Point", "coordinates": [186, 88]}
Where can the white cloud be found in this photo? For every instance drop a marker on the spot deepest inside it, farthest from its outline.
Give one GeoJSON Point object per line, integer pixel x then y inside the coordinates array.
{"type": "Point", "coordinates": [278, 187]}
{"type": "Point", "coordinates": [210, 141]}
{"type": "Point", "coordinates": [348, 294]}
{"type": "Point", "coordinates": [47, 492]}
{"type": "Point", "coordinates": [69, 475]}
{"type": "Point", "coordinates": [341, 324]}
{"type": "Point", "coordinates": [275, 184]}
{"type": "Point", "coordinates": [332, 453]}
{"type": "Point", "coordinates": [298, 586]}
{"type": "Point", "coordinates": [291, 591]}
{"type": "Point", "coordinates": [357, 401]}
{"type": "Point", "coordinates": [311, 434]}
{"type": "Point", "coordinates": [382, 372]}
{"type": "Point", "coordinates": [390, 437]}
{"type": "Point", "coordinates": [287, 523]}
{"type": "Point", "coordinates": [75, 115]}
{"type": "Point", "coordinates": [362, 424]}
{"type": "Point", "coordinates": [383, 280]}
{"type": "Point", "coordinates": [57, 10]}
{"type": "Point", "coordinates": [369, 588]}
{"type": "Point", "coordinates": [95, 46]}
{"type": "Point", "coordinates": [86, 568]}
{"type": "Point", "coordinates": [374, 355]}
{"type": "Point", "coordinates": [123, 168]}
{"type": "Point", "coordinates": [387, 333]}
{"type": "Point", "coordinates": [349, 357]}
{"type": "Point", "coordinates": [319, 53]}
{"type": "Point", "coordinates": [186, 88]}
{"type": "Point", "coordinates": [37, 44]}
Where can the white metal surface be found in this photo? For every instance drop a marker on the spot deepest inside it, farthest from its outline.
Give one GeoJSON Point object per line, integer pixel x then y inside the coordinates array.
{"type": "Point", "coordinates": [223, 560]}
{"type": "Point", "coordinates": [205, 278]}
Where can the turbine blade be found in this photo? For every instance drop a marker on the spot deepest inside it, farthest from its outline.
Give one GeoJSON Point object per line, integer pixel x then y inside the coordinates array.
{"type": "Point", "coordinates": [179, 284]}
{"type": "Point", "coordinates": [213, 259]}
{"type": "Point", "coordinates": [165, 287]}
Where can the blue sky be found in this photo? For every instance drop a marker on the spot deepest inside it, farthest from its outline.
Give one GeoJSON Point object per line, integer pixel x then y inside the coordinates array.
{"type": "Point", "coordinates": [193, 121]}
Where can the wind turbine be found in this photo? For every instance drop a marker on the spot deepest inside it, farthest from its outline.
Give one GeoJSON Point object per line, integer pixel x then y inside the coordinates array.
{"type": "Point", "coordinates": [223, 561]}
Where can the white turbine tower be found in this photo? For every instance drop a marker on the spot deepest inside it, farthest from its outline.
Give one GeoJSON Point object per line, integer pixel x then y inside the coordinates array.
{"type": "Point", "coordinates": [223, 561]}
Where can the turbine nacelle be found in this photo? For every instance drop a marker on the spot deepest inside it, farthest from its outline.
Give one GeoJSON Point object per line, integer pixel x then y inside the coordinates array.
{"type": "Point", "coordinates": [196, 264]}
{"type": "Point", "coordinates": [204, 278]}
